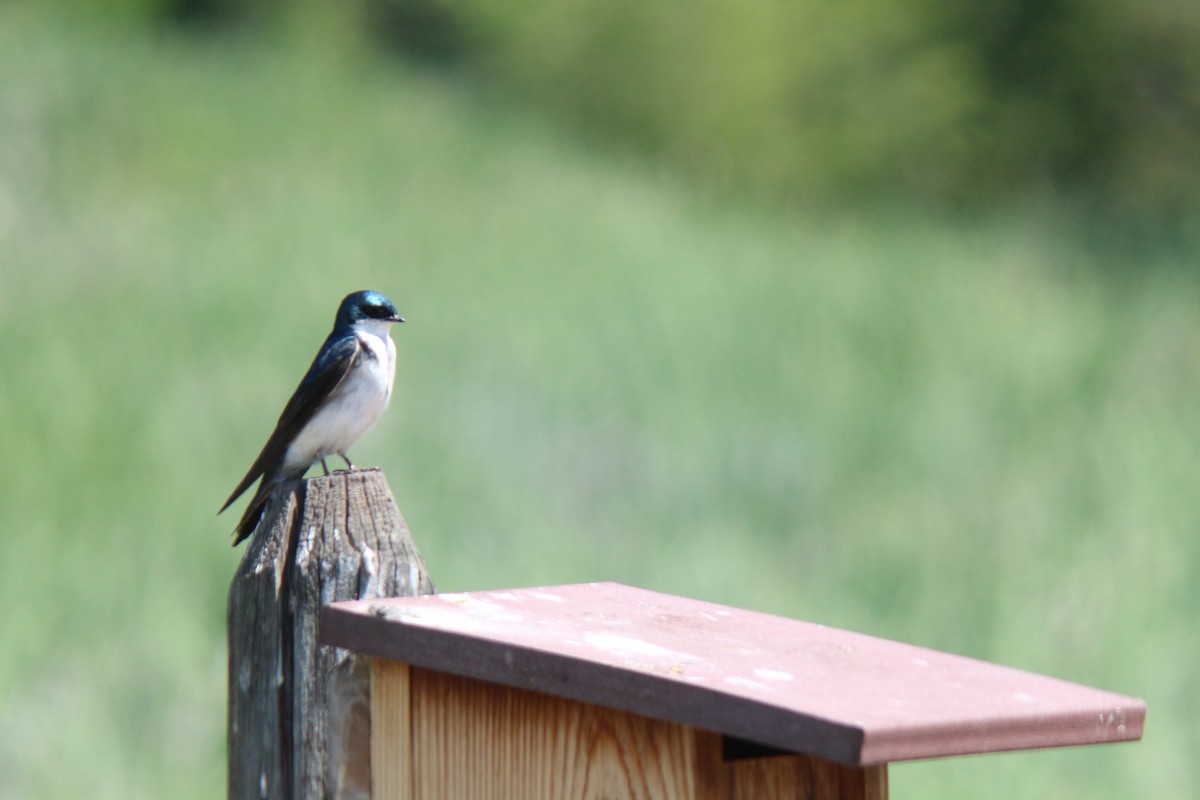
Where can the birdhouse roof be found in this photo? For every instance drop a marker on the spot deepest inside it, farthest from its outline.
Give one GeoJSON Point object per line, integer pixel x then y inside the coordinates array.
{"type": "Point", "coordinates": [792, 685]}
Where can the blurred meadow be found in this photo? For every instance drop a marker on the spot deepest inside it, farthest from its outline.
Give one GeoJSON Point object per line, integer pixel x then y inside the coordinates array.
{"type": "Point", "coordinates": [971, 429]}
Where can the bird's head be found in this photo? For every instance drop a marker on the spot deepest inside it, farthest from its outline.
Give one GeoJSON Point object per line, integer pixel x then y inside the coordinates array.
{"type": "Point", "coordinates": [366, 306]}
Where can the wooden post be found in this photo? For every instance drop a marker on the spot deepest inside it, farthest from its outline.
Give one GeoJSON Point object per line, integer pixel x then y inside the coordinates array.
{"type": "Point", "coordinates": [299, 723]}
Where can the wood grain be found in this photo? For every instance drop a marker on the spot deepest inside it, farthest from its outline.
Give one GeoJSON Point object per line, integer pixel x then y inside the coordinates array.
{"type": "Point", "coordinates": [391, 731]}
{"type": "Point", "coordinates": [298, 710]}
{"type": "Point", "coordinates": [484, 741]}
{"type": "Point", "coordinates": [436, 735]}
{"type": "Point", "coordinates": [804, 777]}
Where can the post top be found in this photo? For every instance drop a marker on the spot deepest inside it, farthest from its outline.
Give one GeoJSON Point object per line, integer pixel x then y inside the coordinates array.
{"type": "Point", "coordinates": [794, 685]}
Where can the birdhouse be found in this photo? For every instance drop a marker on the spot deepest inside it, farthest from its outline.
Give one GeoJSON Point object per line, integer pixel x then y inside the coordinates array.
{"type": "Point", "coordinates": [607, 691]}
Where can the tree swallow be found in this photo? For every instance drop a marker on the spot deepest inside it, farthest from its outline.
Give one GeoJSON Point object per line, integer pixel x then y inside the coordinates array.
{"type": "Point", "coordinates": [342, 394]}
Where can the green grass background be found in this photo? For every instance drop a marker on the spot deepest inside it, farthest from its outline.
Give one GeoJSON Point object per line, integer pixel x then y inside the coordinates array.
{"type": "Point", "coordinates": [980, 436]}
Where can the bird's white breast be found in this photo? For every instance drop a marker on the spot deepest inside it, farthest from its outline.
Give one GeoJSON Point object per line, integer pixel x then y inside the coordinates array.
{"type": "Point", "coordinates": [354, 405]}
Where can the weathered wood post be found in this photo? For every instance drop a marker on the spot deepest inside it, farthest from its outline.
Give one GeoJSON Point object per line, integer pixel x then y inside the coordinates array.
{"type": "Point", "coordinates": [299, 723]}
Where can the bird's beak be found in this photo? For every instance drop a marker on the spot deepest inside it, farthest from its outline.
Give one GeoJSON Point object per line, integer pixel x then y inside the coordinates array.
{"type": "Point", "coordinates": [397, 318]}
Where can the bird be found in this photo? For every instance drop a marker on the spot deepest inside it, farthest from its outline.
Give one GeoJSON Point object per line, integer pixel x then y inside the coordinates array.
{"type": "Point", "coordinates": [341, 396]}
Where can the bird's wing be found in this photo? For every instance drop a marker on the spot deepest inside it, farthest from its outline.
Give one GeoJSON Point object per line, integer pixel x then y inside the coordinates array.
{"type": "Point", "coordinates": [328, 370]}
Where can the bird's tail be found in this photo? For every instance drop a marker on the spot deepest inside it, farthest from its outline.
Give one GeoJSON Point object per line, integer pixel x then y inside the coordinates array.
{"type": "Point", "coordinates": [258, 504]}
{"type": "Point", "coordinates": [253, 513]}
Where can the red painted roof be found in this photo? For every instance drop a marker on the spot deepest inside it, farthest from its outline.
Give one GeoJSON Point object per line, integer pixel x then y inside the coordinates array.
{"type": "Point", "coordinates": [781, 682]}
